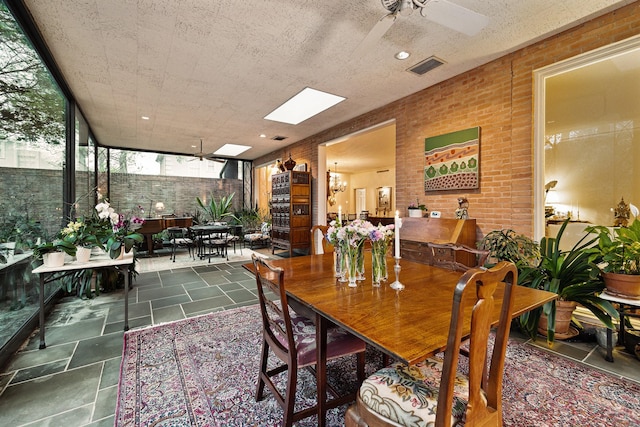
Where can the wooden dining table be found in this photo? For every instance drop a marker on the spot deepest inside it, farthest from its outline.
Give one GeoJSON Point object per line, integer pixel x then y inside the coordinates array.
{"type": "Point", "coordinates": [409, 325]}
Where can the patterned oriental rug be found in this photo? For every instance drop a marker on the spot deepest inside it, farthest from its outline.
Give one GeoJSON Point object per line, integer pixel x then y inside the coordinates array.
{"type": "Point", "coordinates": [202, 372]}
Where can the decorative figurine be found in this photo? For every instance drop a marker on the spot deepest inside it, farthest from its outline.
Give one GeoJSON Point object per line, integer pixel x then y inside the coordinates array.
{"type": "Point", "coordinates": [621, 214]}
{"type": "Point", "coordinates": [463, 205]}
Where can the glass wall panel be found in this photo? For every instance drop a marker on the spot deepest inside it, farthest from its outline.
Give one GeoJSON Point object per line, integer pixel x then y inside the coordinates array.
{"type": "Point", "coordinates": [32, 148]}
{"type": "Point", "coordinates": [149, 180]}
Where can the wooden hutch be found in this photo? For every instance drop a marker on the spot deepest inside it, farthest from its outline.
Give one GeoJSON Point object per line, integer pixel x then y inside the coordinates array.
{"type": "Point", "coordinates": [291, 211]}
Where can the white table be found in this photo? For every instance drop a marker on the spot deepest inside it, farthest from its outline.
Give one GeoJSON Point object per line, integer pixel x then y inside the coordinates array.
{"type": "Point", "coordinates": [48, 274]}
{"type": "Point", "coordinates": [622, 303]}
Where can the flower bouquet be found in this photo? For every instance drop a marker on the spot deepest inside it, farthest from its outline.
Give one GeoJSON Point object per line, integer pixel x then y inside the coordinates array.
{"type": "Point", "coordinates": [350, 239]}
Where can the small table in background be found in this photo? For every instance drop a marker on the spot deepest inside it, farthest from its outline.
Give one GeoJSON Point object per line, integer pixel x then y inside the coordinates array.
{"type": "Point", "coordinates": [48, 274]}
{"type": "Point", "coordinates": [624, 305]}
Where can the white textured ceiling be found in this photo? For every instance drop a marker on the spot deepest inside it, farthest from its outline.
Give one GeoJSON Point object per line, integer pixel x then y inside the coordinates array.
{"type": "Point", "coordinates": [212, 69]}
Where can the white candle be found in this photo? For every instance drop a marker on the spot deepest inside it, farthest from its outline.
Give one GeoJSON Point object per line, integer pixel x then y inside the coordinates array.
{"type": "Point", "coordinates": [396, 226]}
{"type": "Point", "coordinates": [340, 214]}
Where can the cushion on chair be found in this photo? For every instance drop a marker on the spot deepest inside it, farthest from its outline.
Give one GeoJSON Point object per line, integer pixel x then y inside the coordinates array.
{"type": "Point", "coordinates": [408, 395]}
{"type": "Point", "coordinates": [339, 341]}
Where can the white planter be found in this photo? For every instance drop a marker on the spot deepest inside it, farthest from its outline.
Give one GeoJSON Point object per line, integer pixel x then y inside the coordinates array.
{"type": "Point", "coordinates": [53, 259]}
{"type": "Point", "coordinates": [415, 213]}
{"type": "Point", "coordinates": [83, 254]}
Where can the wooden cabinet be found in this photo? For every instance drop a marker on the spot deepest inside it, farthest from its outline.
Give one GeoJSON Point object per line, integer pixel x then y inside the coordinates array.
{"type": "Point", "coordinates": [416, 232]}
{"type": "Point", "coordinates": [291, 211]}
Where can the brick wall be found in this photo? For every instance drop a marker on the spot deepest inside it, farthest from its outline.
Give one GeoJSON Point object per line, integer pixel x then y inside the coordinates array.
{"type": "Point", "coordinates": [497, 97]}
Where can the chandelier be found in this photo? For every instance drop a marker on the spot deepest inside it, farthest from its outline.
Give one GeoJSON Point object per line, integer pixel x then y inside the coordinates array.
{"type": "Point", "coordinates": [334, 181]}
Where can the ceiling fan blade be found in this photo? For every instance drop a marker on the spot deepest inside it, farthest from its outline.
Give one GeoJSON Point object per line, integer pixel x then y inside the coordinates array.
{"type": "Point", "coordinates": [453, 16]}
{"type": "Point", "coordinates": [376, 33]}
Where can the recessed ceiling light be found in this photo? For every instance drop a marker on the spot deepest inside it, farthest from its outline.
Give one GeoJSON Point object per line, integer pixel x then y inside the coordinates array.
{"type": "Point", "coordinates": [231, 150]}
{"type": "Point", "coordinates": [262, 135]}
{"type": "Point", "coordinates": [307, 103]}
{"type": "Point", "coordinates": [402, 55]}
{"type": "Point", "coordinates": [145, 118]}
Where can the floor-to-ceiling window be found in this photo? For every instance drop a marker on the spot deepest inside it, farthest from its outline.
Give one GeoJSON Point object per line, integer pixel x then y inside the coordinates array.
{"type": "Point", "coordinates": [32, 162]}
{"type": "Point", "coordinates": [587, 139]}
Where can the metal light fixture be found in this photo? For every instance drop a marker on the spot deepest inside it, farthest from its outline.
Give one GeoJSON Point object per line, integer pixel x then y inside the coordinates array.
{"type": "Point", "coordinates": [334, 183]}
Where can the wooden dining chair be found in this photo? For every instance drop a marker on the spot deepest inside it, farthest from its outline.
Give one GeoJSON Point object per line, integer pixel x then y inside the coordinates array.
{"type": "Point", "coordinates": [456, 257]}
{"type": "Point", "coordinates": [292, 338]}
{"type": "Point", "coordinates": [326, 246]}
{"type": "Point", "coordinates": [433, 392]}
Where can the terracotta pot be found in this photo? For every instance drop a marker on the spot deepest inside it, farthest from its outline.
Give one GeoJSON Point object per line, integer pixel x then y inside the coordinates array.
{"type": "Point", "coordinates": [564, 311]}
{"type": "Point", "coordinates": [622, 285]}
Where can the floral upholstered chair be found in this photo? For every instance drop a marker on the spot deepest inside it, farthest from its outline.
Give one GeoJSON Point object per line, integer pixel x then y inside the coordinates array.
{"type": "Point", "coordinates": [259, 239]}
{"type": "Point", "coordinates": [432, 392]}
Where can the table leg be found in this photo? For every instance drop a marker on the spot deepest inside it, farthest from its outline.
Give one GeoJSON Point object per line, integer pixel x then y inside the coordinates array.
{"type": "Point", "coordinates": [42, 344]}
{"type": "Point", "coordinates": [126, 297]}
{"type": "Point", "coordinates": [321, 368]}
{"type": "Point", "coordinates": [609, 356]}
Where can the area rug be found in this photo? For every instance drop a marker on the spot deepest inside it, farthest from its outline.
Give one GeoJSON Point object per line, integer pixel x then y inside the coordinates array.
{"type": "Point", "coordinates": [202, 372]}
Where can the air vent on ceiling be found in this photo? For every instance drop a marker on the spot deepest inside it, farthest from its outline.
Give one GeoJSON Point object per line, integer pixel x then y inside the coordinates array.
{"type": "Point", "coordinates": [426, 66]}
{"type": "Point", "coordinates": [279, 138]}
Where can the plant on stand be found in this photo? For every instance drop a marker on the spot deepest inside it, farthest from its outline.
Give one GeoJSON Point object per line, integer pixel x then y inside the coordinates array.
{"type": "Point", "coordinates": [52, 253]}
{"type": "Point", "coordinates": [573, 277]}
{"type": "Point", "coordinates": [124, 226]}
{"type": "Point", "coordinates": [83, 234]}
{"type": "Point", "coordinates": [618, 257]}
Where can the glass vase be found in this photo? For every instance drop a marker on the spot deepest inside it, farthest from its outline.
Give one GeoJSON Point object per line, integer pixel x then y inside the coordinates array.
{"type": "Point", "coordinates": [378, 263]}
{"type": "Point", "coordinates": [337, 261]}
{"type": "Point", "coordinates": [352, 265]}
{"type": "Point", "coordinates": [360, 262]}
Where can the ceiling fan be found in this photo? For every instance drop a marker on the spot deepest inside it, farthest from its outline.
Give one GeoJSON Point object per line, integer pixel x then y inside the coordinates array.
{"type": "Point", "coordinates": [209, 156]}
{"type": "Point", "coordinates": [442, 12]}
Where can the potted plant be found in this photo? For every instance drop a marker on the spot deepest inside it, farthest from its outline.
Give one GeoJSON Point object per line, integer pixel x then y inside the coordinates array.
{"type": "Point", "coordinates": [52, 253]}
{"type": "Point", "coordinates": [507, 245]}
{"type": "Point", "coordinates": [573, 277]}
{"type": "Point", "coordinates": [416, 209]}
{"type": "Point", "coordinates": [124, 226]}
{"type": "Point", "coordinates": [84, 234]}
{"type": "Point", "coordinates": [218, 210]}
{"type": "Point", "coordinates": [618, 257]}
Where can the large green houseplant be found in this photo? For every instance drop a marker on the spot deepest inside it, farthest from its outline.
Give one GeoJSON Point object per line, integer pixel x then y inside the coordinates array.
{"type": "Point", "coordinates": [572, 276]}
{"type": "Point", "coordinates": [218, 210]}
{"type": "Point", "coordinates": [618, 257]}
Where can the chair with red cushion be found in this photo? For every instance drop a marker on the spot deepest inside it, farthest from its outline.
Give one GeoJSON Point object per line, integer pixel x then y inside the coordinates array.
{"type": "Point", "coordinates": [292, 338]}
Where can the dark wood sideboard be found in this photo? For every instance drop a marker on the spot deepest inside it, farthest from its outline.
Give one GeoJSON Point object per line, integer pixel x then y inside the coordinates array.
{"type": "Point", "coordinates": [416, 232]}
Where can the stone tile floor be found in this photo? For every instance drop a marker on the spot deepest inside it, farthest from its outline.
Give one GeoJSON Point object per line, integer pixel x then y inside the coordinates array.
{"type": "Point", "coordinates": [73, 382]}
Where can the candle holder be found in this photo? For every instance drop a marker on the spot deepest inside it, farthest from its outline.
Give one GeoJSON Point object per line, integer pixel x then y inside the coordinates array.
{"type": "Point", "coordinates": [396, 268]}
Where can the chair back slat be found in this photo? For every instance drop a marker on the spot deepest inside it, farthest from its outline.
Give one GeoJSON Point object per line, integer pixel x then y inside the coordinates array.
{"type": "Point", "coordinates": [485, 385]}
{"type": "Point", "coordinates": [326, 246]}
{"type": "Point", "coordinates": [276, 319]}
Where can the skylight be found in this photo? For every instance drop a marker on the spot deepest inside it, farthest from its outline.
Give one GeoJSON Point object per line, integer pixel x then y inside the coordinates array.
{"type": "Point", "coordinates": [307, 103]}
{"type": "Point", "coordinates": [231, 150]}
